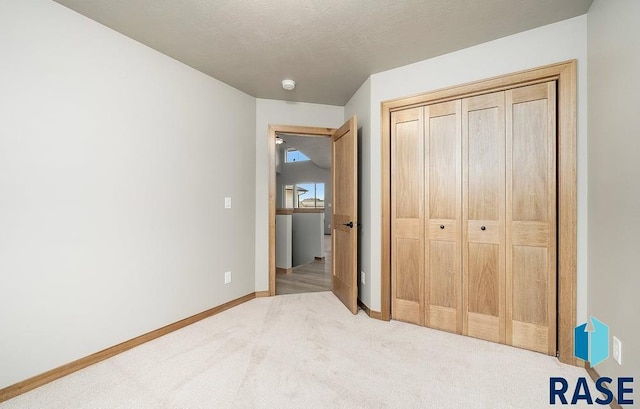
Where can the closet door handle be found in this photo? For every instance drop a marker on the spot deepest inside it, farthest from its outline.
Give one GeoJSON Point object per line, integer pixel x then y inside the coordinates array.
{"type": "Point", "coordinates": [442, 226]}
{"type": "Point", "coordinates": [483, 228]}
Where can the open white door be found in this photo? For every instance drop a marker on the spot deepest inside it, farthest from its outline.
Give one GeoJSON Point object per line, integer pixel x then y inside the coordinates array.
{"type": "Point", "coordinates": [344, 221]}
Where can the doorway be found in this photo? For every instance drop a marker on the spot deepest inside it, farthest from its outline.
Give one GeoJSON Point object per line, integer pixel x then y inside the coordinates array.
{"type": "Point", "coordinates": [344, 206]}
{"type": "Point", "coordinates": [303, 213]}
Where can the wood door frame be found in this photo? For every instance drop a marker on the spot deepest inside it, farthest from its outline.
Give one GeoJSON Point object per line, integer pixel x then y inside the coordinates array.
{"type": "Point", "coordinates": [273, 131]}
{"type": "Point", "coordinates": [565, 75]}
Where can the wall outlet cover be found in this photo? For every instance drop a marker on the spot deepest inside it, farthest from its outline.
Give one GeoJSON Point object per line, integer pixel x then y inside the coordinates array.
{"type": "Point", "coordinates": [617, 350]}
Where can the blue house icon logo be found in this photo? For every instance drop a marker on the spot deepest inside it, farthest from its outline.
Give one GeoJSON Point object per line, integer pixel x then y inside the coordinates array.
{"type": "Point", "coordinates": [591, 346]}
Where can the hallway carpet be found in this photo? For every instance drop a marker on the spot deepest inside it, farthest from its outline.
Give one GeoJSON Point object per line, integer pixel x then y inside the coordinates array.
{"type": "Point", "coordinates": [308, 351]}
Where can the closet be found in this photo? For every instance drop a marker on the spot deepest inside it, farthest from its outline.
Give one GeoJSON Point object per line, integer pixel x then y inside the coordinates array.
{"type": "Point", "coordinates": [473, 216]}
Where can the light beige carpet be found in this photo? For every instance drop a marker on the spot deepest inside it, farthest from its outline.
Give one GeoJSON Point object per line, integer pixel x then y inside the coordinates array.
{"type": "Point", "coordinates": [307, 351]}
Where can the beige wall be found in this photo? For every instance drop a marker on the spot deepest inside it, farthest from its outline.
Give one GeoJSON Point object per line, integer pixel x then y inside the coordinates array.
{"type": "Point", "coordinates": [614, 177]}
{"type": "Point", "coordinates": [114, 164]}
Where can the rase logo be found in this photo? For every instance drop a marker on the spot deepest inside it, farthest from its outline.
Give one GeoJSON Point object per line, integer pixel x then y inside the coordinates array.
{"type": "Point", "coordinates": [592, 347]}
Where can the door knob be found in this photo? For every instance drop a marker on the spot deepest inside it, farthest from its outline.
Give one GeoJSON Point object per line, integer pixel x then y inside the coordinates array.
{"type": "Point", "coordinates": [349, 225]}
{"type": "Point", "coordinates": [483, 228]}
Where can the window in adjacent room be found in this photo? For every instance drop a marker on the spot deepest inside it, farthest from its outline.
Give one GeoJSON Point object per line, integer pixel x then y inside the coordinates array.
{"type": "Point", "coordinates": [294, 155]}
{"type": "Point", "coordinates": [304, 195]}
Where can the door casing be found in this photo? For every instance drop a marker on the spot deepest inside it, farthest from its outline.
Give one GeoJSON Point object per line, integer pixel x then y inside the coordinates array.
{"type": "Point", "coordinates": [565, 76]}
{"type": "Point", "coordinates": [273, 131]}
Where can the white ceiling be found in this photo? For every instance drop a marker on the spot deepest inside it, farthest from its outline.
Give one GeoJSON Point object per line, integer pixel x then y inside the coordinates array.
{"type": "Point", "coordinates": [329, 47]}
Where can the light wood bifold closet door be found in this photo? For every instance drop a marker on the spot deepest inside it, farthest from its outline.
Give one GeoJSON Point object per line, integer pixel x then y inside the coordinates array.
{"type": "Point", "coordinates": [531, 217]}
{"type": "Point", "coordinates": [483, 191]}
{"type": "Point", "coordinates": [407, 216]}
{"type": "Point", "coordinates": [443, 286]}
{"type": "Point", "coordinates": [473, 216]}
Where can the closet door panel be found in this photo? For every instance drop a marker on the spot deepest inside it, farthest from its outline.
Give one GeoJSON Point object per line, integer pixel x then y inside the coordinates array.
{"type": "Point", "coordinates": [529, 174]}
{"type": "Point", "coordinates": [407, 210]}
{"type": "Point", "coordinates": [484, 267]}
{"type": "Point", "coordinates": [443, 175]}
{"type": "Point", "coordinates": [529, 284]}
{"type": "Point", "coordinates": [408, 279]}
{"type": "Point", "coordinates": [483, 278]}
{"type": "Point", "coordinates": [483, 189]}
{"type": "Point", "coordinates": [531, 217]}
{"type": "Point", "coordinates": [443, 285]}
{"type": "Point", "coordinates": [484, 157]}
{"type": "Point", "coordinates": [443, 264]}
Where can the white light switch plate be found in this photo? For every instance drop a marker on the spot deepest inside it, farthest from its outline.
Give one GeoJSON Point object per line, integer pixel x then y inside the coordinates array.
{"type": "Point", "coordinates": [227, 277]}
{"type": "Point", "coordinates": [227, 203]}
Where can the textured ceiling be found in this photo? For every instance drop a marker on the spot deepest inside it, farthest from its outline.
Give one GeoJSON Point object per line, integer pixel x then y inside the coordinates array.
{"type": "Point", "coordinates": [329, 47]}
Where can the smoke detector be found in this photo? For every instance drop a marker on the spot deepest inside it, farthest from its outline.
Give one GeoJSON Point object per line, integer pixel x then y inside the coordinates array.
{"type": "Point", "coordinates": [288, 84]}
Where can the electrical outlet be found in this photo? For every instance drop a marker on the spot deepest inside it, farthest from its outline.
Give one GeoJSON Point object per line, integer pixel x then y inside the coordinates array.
{"type": "Point", "coordinates": [362, 277]}
{"type": "Point", "coordinates": [617, 350]}
{"type": "Point", "coordinates": [227, 203]}
{"type": "Point", "coordinates": [227, 277]}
